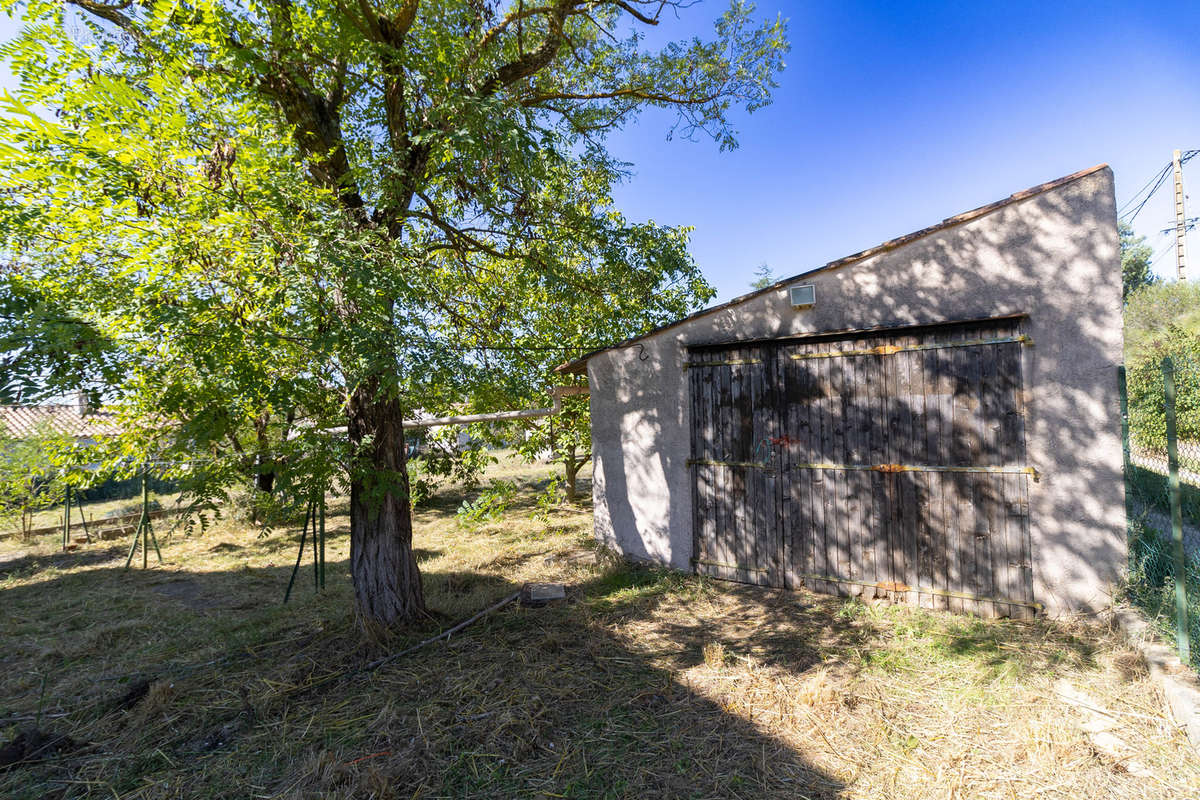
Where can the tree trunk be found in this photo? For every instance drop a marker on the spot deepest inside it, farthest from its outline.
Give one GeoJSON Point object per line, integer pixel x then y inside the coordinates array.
{"type": "Point", "coordinates": [570, 469]}
{"type": "Point", "coordinates": [387, 583]}
{"type": "Point", "coordinates": [265, 481]}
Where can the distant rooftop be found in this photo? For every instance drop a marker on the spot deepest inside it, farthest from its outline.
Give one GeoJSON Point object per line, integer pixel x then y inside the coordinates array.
{"type": "Point", "coordinates": [68, 420]}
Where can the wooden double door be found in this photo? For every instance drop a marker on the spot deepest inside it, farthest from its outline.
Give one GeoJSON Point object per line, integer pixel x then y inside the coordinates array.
{"type": "Point", "coordinates": [883, 464]}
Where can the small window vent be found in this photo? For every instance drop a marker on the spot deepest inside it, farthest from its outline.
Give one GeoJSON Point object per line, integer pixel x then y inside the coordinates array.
{"type": "Point", "coordinates": [803, 296]}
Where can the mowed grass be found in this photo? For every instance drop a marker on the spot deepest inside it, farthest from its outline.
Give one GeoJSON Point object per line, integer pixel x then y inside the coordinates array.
{"type": "Point", "coordinates": [93, 513]}
{"type": "Point", "coordinates": [192, 680]}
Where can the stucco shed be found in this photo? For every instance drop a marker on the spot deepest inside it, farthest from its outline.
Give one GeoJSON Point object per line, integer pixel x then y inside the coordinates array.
{"type": "Point", "coordinates": [941, 425]}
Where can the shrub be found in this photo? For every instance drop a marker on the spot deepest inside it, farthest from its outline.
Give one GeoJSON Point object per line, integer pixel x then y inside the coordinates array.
{"type": "Point", "coordinates": [1163, 320]}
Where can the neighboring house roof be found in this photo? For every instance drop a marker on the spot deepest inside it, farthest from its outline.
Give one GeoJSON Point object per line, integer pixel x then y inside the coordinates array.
{"type": "Point", "coordinates": [22, 421]}
{"type": "Point", "coordinates": [579, 365]}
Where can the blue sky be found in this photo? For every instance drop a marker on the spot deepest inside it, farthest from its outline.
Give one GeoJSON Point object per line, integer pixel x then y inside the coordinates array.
{"type": "Point", "coordinates": [892, 116]}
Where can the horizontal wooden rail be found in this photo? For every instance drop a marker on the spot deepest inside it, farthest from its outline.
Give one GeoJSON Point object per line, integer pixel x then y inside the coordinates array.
{"type": "Point", "coordinates": [730, 362]}
{"type": "Point", "coordinates": [885, 468]}
{"type": "Point", "coordinates": [97, 522]}
{"type": "Point", "coordinates": [889, 349]}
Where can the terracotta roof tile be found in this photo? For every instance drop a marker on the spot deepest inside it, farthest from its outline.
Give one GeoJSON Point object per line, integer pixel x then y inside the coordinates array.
{"type": "Point", "coordinates": [20, 421]}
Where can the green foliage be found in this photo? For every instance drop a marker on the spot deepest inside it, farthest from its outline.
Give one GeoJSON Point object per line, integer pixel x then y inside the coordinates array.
{"type": "Point", "coordinates": [548, 499]}
{"type": "Point", "coordinates": [234, 218]}
{"type": "Point", "coordinates": [765, 276]}
{"type": "Point", "coordinates": [1135, 261]}
{"type": "Point", "coordinates": [29, 481]}
{"type": "Point", "coordinates": [259, 221]}
{"type": "Point", "coordinates": [438, 457]}
{"type": "Point", "coordinates": [489, 505]}
{"type": "Point", "coordinates": [1162, 320]}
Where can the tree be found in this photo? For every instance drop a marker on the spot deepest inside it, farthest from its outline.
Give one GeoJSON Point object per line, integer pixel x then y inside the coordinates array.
{"type": "Point", "coordinates": [360, 188]}
{"type": "Point", "coordinates": [1162, 319]}
{"type": "Point", "coordinates": [29, 481]}
{"type": "Point", "coordinates": [765, 278]}
{"type": "Point", "coordinates": [1135, 261]}
{"type": "Point", "coordinates": [580, 322]}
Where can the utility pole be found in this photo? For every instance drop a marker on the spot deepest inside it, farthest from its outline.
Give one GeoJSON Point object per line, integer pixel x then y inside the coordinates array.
{"type": "Point", "coordinates": [1180, 220]}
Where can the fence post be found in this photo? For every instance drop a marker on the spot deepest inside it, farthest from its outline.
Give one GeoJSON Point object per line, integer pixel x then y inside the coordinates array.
{"type": "Point", "coordinates": [66, 516]}
{"type": "Point", "coordinates": [1181, 609]}
{"type": "Point", "coordinates": [322, 513]}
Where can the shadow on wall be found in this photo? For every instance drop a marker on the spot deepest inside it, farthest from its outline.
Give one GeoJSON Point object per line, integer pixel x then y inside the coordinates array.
{"type": "Point", "coordinates": [768, 430]}
{"type": "Point", "coordinates": [1054, 256]}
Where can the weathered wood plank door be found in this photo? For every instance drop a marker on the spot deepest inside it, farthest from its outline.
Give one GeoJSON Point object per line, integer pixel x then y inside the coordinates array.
{"type": "Point", "coordinates": [889, 464]}
{"type": "Point", "coordinates": [736, 494]}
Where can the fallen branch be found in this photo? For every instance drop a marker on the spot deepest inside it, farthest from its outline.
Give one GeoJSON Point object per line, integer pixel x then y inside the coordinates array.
{"type": "Point", "coordinates": [374, 665]}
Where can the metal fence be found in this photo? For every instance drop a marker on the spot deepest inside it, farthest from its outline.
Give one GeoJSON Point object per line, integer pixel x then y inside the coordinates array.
{"type": "Point", "coordinates": [1160, 412]}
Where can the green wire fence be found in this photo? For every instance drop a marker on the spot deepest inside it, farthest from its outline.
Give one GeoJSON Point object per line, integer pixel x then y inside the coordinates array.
{"type": "Point", "coordinates": [1160, 414]}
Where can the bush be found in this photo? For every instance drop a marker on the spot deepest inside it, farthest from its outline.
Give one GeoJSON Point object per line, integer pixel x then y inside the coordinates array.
{"type": "Point", "coordinates": [1163, 320]}
{"type": "Point", "coordinates": [252, 507]}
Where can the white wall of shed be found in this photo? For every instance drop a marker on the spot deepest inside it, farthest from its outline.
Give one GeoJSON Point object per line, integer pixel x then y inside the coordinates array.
{"type": "Point", "coordinates": [1054, 256]}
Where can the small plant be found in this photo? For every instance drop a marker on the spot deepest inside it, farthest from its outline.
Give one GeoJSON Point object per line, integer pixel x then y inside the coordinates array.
{"type": "Point", "coordinates": [548, 499]}
{"type": "Point", "coordinates": [489, 505]}
{"type": "Point", "coordinates": [714, 655]}
{"type": "Point", "coordinates": [851, 610]}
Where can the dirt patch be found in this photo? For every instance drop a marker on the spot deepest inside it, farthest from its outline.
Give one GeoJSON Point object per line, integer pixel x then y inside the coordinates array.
{"type": "Point", "coordinates": [190, 592]}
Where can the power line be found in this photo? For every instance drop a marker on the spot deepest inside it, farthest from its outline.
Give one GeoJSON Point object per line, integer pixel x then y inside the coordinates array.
{"type": "Point", "coordinates": [1170, 247]}
{"type": "Point", "coordinates": [1162, 178]}
{"type": "Point", "coordinates": [1157, 176]}
{"type": "Point", "coordinates": [1158, 180]}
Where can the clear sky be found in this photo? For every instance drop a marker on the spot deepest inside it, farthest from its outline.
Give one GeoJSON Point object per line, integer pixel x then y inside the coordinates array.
{"type": "Point", "coordinates": [892, 116]}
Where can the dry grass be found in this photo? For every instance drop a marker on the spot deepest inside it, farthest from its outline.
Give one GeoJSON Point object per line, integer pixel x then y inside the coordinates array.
{"type": "Point", "coordinates": [189, 680]}
{"type": "Point", "coordinates": [92, 512]}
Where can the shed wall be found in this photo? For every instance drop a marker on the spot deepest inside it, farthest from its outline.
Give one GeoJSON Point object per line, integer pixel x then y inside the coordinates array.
{"type": "Point", "coordinates": [1054, 256]}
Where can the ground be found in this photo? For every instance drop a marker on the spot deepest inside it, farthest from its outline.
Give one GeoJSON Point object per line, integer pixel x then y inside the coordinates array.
{"type": "Point", "coordinates": [192, 680]}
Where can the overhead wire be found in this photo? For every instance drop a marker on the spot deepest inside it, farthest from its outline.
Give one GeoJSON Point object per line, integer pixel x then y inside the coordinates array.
{"type": "Point", "coordinates": [1129, 203]}
{"type": "Point", "coordinates": [1158, 180]}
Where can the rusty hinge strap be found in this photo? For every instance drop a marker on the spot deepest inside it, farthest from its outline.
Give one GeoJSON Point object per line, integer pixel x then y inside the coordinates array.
{"type": "Point", "coordinates": [889, 349]}
{"type": "Point", "coordinates": [921, 590]}
{"type": "Point", "coordinates": [688, 364]}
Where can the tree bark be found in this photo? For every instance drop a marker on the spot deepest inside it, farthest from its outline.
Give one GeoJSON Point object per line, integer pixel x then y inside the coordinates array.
{"type": "Point", "coordinates": [387, 583]}
{"type": "Point", "coordinates": [570, 469]}
{"type": "Point", "coordinates": [265, 481]}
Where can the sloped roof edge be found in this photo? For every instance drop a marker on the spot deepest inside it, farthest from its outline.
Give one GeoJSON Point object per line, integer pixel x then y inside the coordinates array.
{"type": "Point", "coordinates": [23, 421]}
{"type": "Point", "coordinates": [580, 364]}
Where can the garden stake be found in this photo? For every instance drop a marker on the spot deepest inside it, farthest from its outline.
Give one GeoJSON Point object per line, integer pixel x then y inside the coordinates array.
{"type": "Point", "coordinates": [299, 555]}
{"type": "Point", "coordinates": [83, 519]}
{"type": "Point", "coordinates": [66, 516]}
{"type": "Point", "coordinates": [312, 507]}
{"type": "Point", "coordinates": [145, 531]}
{"type": "Point", "coordinates": [322, 512]}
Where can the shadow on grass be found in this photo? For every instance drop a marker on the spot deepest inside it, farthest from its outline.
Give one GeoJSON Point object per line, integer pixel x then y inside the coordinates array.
{"type": "Point", "coordinates": [1034, 645]}
{"type": "Point", "coordinates": [527, 702]}
{"type": "Point", "coordinates": [582, 699]}
{"type": "Point", "coordinates": [93, 555]}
